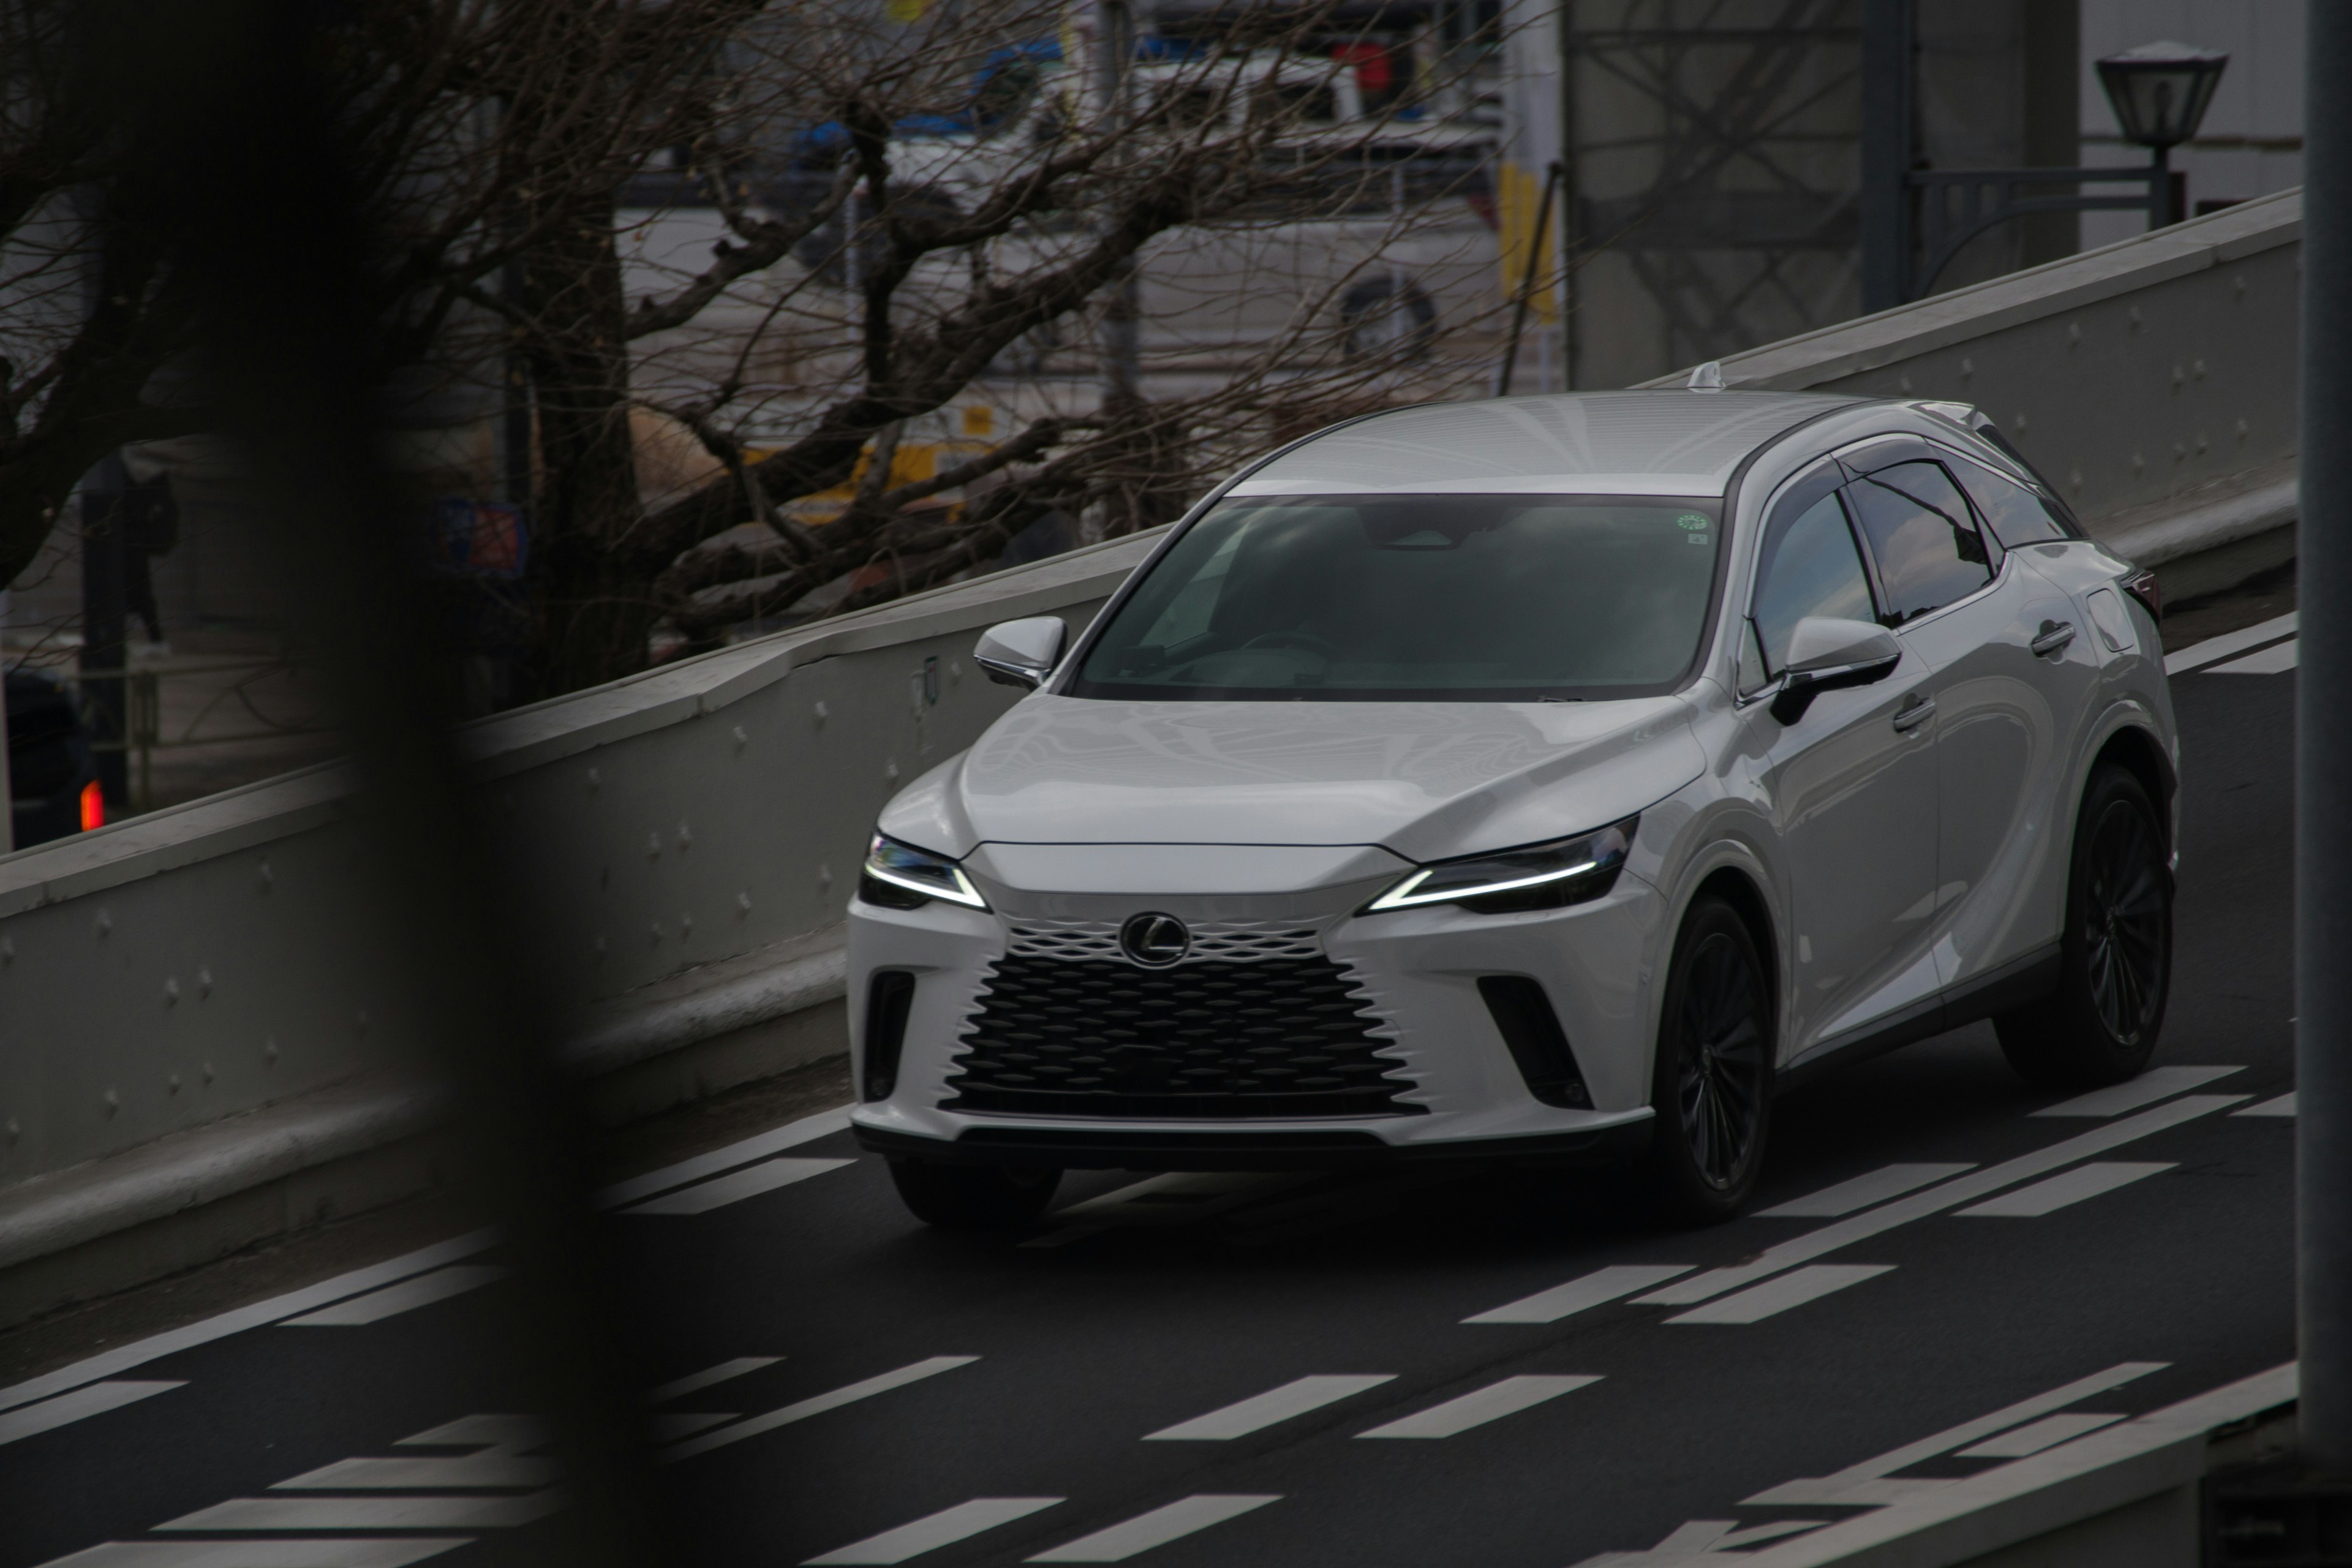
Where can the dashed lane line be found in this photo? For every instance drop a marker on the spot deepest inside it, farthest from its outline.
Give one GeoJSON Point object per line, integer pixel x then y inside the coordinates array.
{"type": "Point", "coordinates": [774, 1140]}
{"type": "Point", "coordinates": [929, 1533]}
{"type": "Point", "coordinates": [1260, 1411]}
{"type": "Point", "coordinates": [1951, 1195]}
{"type": "Point", "coordinates": [1778, 1294]}
{"type": "Point", "coordinates": [734, 1188]}
{"type": "Point", "coordinates": [405, 1296]}
{"type": "Point", "coordinates": [91, 1399]}
{"type": "Point", "coordinates": [236, 1321]}
{"type": "Point", "coordinates": [752, 1425]}
{"type": "Point", "coordinates": [2066, 1187]}
{"type": "Point", "coordinates": [2213, 649]}
{"type": "Point", "coordinates": [289, 1513]}
{"type": "Point", "coordinates": [2275, 660]}
{"type": "Point", "coordinates": [1861, 1192]}
{"type": "Point", "coordinates": [1597, 1288]}
{"type": "Point", "coordinates": [1182, 1518]}
{"type": "Point", "coordinates": [330, 1552]}
{"type": "Point", "coordinates": [2024, 1442]}
{"type": "Point", "coordinates": [2283, 1106]}
{"type": "Point", "coordinates": [2157, 1083]}
{"type": "Point", "coordinates": [1479, 1406]}
{"type": "Point", "coordinates": [709, 1377]}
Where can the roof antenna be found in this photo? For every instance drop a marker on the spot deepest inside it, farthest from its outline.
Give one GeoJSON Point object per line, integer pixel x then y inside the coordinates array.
{"type": "Point", "coordinates": [1707, 377]}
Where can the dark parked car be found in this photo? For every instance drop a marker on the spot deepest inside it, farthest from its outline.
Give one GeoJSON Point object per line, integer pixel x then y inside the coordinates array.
{"type": "Point", "coordinates": [52, 774]}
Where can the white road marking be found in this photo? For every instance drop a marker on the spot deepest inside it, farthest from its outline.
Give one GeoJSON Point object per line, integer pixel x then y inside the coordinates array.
{"type": "Point", "coordinates": [670, 1426]}
{"type": "Point", "coordinates": [1479, 1406]}
{"type": "Point", "coordinates": [2283, 1106]}
{"type": "Point", "coordinates": [2066, 1187]}
{"type": "Point", "coordinates": [1945, 1195]}
{"type": "Point", "coordinates": [1158, 1528]}
{"type": "Point", "coordinates": [1775, 1296]}
{"type": "Point", "coordinates": [369, 1513]}
{"type": "Point", "coordinates": [519, 1433]}
{"type": "Point", "coordinates": [1594, 1290]}
{"type": "Point", "coordinates": [2275, 660]}
{"type": "Point", "coordinates": [1276, 1405]}
{"type": "Point", "coordinates": [2021, 1442]}
{"type": "Point", "coordinates": [1876, 1187]}
{"type": "Point", "coordinates": [1175, 1198]}
{"type": "Point", "coordinates": [327, 1553]}
{"type": "Point", "coordinates": [944, 1528]}
{"type": "Point", "coordinates": [776, 1139]}
{"type": "Point", "coordinates": [1696, 1540]}
{"type": "Point", "coordinates": [94, 1399]}
{"type": "Point", "coordinates": [752, 1425]}
{"type": "Point", "coordinates": [2158, 1083]}
{"type": "Point", "coordinates": [405, 1296]}
{"type": "Point", "coordinates": [2228, 643]}
{"type": "Point", "coordinates": [695, 1383]}
{"type": "Point", "coordinates": [410, 1473]}
{"type": "Point", "coordinates": [122, 1358]}
{"type": "Point", "coordinates": [1867, 1485]}
{"type": "Point", "coordinates": [749, 1182]}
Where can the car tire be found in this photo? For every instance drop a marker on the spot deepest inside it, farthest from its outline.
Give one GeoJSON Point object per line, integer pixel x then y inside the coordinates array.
{"type": "Point", "coordinates": [1711, 1086]}
{"type": "Point", "coordinates": [974, 1197]}
{"type": "Point", "coordinates": [2100, 1025]}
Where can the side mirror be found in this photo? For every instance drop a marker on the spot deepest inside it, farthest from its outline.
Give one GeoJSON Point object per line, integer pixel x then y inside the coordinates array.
{"type": "Point", "coordinates": [1826, 653]}
{"type": "Point", "coordinates": [1021, 653]}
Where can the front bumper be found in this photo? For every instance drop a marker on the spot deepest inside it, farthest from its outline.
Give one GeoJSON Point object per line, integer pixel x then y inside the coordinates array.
{"type": "Point", "coordinates": [1458, 1091]}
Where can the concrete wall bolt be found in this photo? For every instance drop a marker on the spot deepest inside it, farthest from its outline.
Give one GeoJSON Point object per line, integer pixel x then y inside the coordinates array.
{"type": "Point", "coordinates": [2137, 322]}
{"type": "Point", "coordinates": [595, 779]}
{"type": "Point", "coordinates": [684, 836]}
{"type": "Point", "coordinates": [105, 923]}
{"type": "Point", "coordinates": [360, 1023]}
{"type": "Point", "coordinates": [2238, 286]}
{"type": "Point", "coordinates": [2197, 368]}
{"type": "Point", "coordinates": [2243, 431]}
{"type": "Point", "coordinates": [7, 951]}
{"type": "Point", "coordinates": [2074, 333]}
{"type": "Point", "coordinates": [685, 927]}
{"type": "Point", "coordinates": [208, 1072]}
{"type": "Point", "coordinates": [269, 877]}
{"type": "Point", "coordinates": [172, 1084]}
{"type": "Point", "coordinates": [653, 844]}
{"type": "Point", "coordinates": [890, 770]}
{"type": "Point", "coordinates": [2201, 443]}
{"type": "Point", "coordinates": [653, 931]}
{"type": "Point", "coordinates": [600, 948]}
{"type": "Point", "coordinates": [112, 1101]}
{"type": "Point", "coordinates": [825, 877]}
{"type": "Point", "coordinates": [203, 984]}
{"type": "Point", "coordinates": [171, 992]}
{"type": "Point", "coordinates": [1968, 368]}
{"type": "Point", "coordinates": [741, 739]}
{"type": "Point", "coordinates": [2018, 424]}
{"type": "Point", "coordinates": [823, 713]}
{"type": "Point", "coordinates": [15, 1132]}
{"type": "Point", "coordinates": [743, 903]}
{"type": "Point", "coordinates": [269, 1050]}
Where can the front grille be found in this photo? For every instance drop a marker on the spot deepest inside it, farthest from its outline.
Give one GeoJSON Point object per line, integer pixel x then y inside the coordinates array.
{"type": "Point", "coordinates": [1277, 1037]}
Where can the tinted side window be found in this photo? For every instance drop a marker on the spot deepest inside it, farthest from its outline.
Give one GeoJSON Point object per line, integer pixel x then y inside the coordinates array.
{"type": "Point", "coordinates": [2015, 514]}
{"type": "Point", "coordinates": [1926, 541]}
{"type": "Point", "coordinates": [1808, 566]}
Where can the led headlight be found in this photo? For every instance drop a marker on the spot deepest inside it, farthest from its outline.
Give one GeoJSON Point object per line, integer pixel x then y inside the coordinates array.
{"type": "Point", "coordinates": [1539, 877]}
{"type": "Point", "coordinates": [900, 877]}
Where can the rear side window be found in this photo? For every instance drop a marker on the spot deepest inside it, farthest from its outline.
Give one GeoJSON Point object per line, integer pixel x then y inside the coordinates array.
{"type": "Point", "coordinates": [1923, 537]}
{"type": "Point", "coordinates": [2015, 514]}
{"type": "Point", "coordinates": [1808, 566]}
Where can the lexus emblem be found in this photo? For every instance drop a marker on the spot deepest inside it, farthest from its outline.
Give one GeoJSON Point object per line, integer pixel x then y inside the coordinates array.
{"type": "Point", "coordinates": [1154, 940]}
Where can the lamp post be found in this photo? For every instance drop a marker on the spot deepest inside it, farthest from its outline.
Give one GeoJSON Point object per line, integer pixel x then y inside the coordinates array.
{"type": "Point", "coordinates": [2159, 93]}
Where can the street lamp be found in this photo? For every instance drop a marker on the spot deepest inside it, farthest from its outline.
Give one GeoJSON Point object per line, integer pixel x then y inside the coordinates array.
{"type": "Point", "coordinates": [2159, 93]}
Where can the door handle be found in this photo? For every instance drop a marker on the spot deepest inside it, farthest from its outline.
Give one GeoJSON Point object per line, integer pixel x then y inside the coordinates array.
{"type": "Point", "coordinates": [1914, 712]}
{"type": "Point", "coordinates": [2053, 638]}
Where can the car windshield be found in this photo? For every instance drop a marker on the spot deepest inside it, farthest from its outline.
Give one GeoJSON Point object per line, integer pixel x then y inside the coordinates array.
{"type": "Point", "coordinates": [1499, 598]}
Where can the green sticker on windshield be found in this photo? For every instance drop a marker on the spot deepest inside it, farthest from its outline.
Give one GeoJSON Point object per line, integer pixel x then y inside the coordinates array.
{"type": "Point", "coordinates": [1692, 519]}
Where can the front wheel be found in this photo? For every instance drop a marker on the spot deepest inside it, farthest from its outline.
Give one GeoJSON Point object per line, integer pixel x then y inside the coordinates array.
{"type": "Point", "coordinates": [1711, 1089]}
{"type": "Point", "coordinates": [2115, 957]}
{"type": "Point", "coordinates": [973, 1198]}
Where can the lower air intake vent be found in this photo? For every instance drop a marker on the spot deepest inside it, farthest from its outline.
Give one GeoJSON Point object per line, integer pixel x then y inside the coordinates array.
{"type": "Point", "coordinates": [1289, 1037]}
{"type": "Point", "coordinates": [1523, 1012]}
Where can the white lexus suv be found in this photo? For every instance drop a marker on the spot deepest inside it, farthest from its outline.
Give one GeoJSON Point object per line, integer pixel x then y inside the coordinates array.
{"type": "Point", "coordinates": [1549, 777]}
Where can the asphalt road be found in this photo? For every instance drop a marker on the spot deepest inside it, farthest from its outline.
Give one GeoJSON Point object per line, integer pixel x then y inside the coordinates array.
{"type": "Point", "coordinates": [1054, 1389]}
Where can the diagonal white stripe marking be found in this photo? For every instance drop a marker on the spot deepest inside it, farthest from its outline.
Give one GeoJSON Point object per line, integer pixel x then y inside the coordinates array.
{"type": "Point", "coordinates": [2022, 1442]}
{"type": "Point", "coordinates": [405, 1296]}
{"type": "Point", "coordinates": [2228, 643]}
{"type": "Point", "coordinates": [96, 1399]}
{"type": "Point", "coordinates": [408, 1474]}
{"type": "Point", "coordinates": [237, 1320]}
{"type": "Point", "coordinates": [1876, 1187]}
{"type": "Point", "coordinates": [776, 1139]}
{"type": "Point", "coordinates": [2283, 1106]}
{"type": "Point", "coordinates": [1175, 1198]}
{"type": "Point", "coordinates": [749, 1182]}
{"type": "Point", "coordinates": [944, 1528]}
{"type": "Point", "coordinates": [1594, 1290]}
{"type": "Point", "coordinates": [296, 1553]}
{"type": "Point", "coordinates": [2066, 1187]}
{"type": "Point", "coordinates": [1855, 1482]}
{"type": "Point", "coordinates": [752, 1425]}
{"type": "Point", "coordinates": [695, 1383]}
{"type": "Point", "coordinates": [2158, 1083]}
{"type": "Point", "coordinates": [368, 1513]}
{"type": "Point", "coordinates": [2275, 660]}
{"type": "Point", "coordinates": [519, 1433]}
{"type": "Point", "coordinates": [1479, 1406]}
{"type": "Point", "coordinates": [1158, 1528]}
{"type": "Point", "coordinates": [1936, 1200]}
{"type": "Point", "coordinates": [1276, 1405]}
{"type": "Point", "coordinates": [1758, 1302]}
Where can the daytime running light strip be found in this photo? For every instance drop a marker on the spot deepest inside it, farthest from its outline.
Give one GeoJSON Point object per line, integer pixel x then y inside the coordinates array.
{"type": "Point", "coordinates": [963, 893]}
{"type": "Point", "coordinates": [1401, 897]}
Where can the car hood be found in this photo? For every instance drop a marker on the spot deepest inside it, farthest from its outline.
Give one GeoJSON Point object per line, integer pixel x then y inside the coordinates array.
{"type": "Point", "coordinates": [1425, 780]}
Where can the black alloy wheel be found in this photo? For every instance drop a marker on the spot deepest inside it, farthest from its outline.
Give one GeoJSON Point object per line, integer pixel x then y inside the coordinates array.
{"type": "Point", "coordinates": [2100, 1025]}
{"type": "Point", "coordinates": [1712, 1091]}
